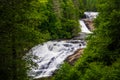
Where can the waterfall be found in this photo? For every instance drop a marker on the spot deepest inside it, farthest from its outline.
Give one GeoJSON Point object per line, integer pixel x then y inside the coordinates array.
{"type": "Point", "coordinates": [50, 55]}
{"type": "Point", "coordinates": [84, 28]}
{"type": "Point", "coordinates": [91, 15]}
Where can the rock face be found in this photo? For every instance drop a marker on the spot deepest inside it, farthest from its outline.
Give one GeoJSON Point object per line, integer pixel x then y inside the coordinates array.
{"type": "Point", "coordinates": [74, 57]}
{"type": "Point", "coordinates": [89, 24]}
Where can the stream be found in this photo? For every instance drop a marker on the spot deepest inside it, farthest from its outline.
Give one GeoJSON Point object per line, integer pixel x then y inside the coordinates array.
{"type": "Point", "coordinates": [50, 55]}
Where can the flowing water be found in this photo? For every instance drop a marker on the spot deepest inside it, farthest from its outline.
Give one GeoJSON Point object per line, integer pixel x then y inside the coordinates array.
{"type": "Point", "coordinates": [50, 55]}
{"type": "Point", "coordinates": [91, 15]}
{"type": "Point", "coordinates": [84, 29]}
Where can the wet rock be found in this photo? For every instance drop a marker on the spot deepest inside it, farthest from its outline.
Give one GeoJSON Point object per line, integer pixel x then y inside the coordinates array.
{"type": "Point", "coordinates": [74, 57]}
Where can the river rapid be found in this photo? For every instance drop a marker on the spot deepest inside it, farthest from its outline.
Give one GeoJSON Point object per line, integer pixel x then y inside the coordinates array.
{"type": "Point", "coordinates": [49, 56]}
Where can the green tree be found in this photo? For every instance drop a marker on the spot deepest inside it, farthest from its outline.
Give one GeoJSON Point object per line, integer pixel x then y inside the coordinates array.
{"type": "Point", "coordinates": [100, 60]}
{"type": "Point", "coordinates": [90, 5]}
{"type": "Point", "coordinates": [25, 23]}
{"type": "Point", "coordinates": [18, 33]}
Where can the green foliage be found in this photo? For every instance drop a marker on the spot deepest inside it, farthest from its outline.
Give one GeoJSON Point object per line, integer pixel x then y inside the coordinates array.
{"type": "Point", "coordinates": [90, 5]}
{"type": "Point", "coordinates": [19, 33]}
{"type": "Point", "coordinates": [100, 60]}
{"type": "Point", "coordinates": [64, 69]}
{"type": "Point", "coordinates": [25, 23]}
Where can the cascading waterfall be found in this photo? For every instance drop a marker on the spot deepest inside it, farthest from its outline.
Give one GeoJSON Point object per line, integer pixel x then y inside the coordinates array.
{"type": "Point", "coordinates": [50, 55]}
{"type": "Point", "coordinates": [91, 15]}
{"type": "Point", "coordinates": [84, 29]}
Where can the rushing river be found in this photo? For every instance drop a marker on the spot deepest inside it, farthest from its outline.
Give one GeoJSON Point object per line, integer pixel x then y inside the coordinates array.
{"type": "Point", "coordinates": [50, 55]}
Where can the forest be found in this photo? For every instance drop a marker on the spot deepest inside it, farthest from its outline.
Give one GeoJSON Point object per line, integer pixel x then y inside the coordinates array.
{"type": "Point", "coordinates": [26, 23]}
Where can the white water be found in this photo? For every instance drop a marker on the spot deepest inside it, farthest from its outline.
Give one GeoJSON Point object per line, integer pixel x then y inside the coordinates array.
{"type": "Point", "coordinates": [84, 29]}
{"type": "Point", "coordinates": [91, 15]}
{"type": "Point", "coordinates": [52, 54]}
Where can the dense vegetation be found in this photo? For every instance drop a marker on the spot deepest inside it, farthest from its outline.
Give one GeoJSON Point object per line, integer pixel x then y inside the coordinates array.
{"type": "Point", "coordinates": [25, 23]}
{"type": "Point", "coordinates": [90, 5]}
{"type": "Point", "coordinates": [101, 58]}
